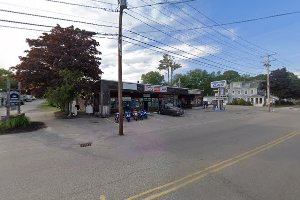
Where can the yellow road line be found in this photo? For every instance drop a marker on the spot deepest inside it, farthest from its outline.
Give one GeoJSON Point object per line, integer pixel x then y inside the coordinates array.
{"type": "Point", "coordinates": [102, 197]}
{"type": "Point", "coordinates": [214, 168]}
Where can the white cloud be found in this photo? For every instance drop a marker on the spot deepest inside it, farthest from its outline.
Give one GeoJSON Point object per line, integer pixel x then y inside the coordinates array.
{"type": "Point", "coordinates": [136, 60]}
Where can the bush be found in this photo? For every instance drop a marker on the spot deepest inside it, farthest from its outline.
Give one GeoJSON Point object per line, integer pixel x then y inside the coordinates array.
{"type": "Point", "coordinates": [15, 122]}
{"type": "Point", "coordinates": [248, 103]}
{"type": "Point", "coordinates": [298, 102]}
{"type": "Point", "coordinates": [283, 103]}
{"type": "Point", "coordinates": [235, 102]}
{"type": "Point", "coordinates": [242, 102]}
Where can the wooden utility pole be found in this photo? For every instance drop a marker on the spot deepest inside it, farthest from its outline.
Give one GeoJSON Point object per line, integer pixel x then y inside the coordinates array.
{"type": "Point", "coordinates": [7, 97]}
{"type": "Point", "coordinates": [123, 5]}
{"type": "Point", "coordinates": [268, 65]}
{"type": "Point", "coordinates": [19, 102]}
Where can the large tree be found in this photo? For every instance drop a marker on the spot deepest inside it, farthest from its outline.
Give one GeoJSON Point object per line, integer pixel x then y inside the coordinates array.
{"type": "Point", "coordinates": [280, 83]}
{"type": "Point", "coordinates": [154, 78]}
{"type": "Point", "coordinates": [231, 76]}
{"type": "Point", "coordinates": [62, 49]}
{"type": "Point", "coordinates": [168, 64]}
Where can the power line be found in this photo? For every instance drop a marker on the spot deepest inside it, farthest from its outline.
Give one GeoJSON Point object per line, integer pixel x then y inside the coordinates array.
{"type": "Point", "coordinates": [186, 58]}
{"type": "Point", "coordinates": [75, 21]}
{"type": "Point", "coordinates": [47, 26]}
{"type": "Point", "coordinates": [82, 5]}
{"type": "Point", "coordinates": [64, 14]}
{"type": "Point", "coordinates": [57, 18]}
{"type": "Point", "coordinates": [22, 28]}
{"type": "Point", "coordinates": [212, 20]}
{"type": "Point", "coordinates": [161, 3]}
{"type": "Point", "coordinates": [104, 2]}
{"type": "Point", "coordinates": [218, 32]}
{"type": "Point", "coordinates": [179, 41]}
{"type": "Point", "coordinates": [184, 24]}
{"type": "Point", "coordinates": [104, 36]}
{"type": "Point", "coordinates": [231, 23]}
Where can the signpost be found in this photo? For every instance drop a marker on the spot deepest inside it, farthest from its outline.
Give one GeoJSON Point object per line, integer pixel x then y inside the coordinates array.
{"type": "Point", "coordinates": [219, 84]}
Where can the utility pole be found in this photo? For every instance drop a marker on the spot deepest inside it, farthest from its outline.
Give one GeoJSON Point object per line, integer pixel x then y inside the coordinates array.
{"type": "Point", "coordinates": [268, 65]}
{"type": "Point", "coordinates": [19, 102]}
{"type": "Point", "coordinates": [7, 97]}
{"type": "Point", "coordinates": [123, 5]}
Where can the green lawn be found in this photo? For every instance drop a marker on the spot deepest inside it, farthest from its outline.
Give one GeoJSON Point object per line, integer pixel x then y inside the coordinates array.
{"type": "Point", "coordinates": [48, 107]}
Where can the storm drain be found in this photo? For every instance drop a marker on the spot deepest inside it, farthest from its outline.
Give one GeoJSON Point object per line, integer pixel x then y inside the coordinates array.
{"type": "Point", "coordinates": [88, 144]}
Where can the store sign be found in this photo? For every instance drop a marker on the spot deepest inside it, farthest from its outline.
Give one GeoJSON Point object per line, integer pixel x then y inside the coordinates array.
{"type": "Point", "coordinates": [14, 98]}
{"type": "Point", "coordinates": [146, 95]}
{"type": "Point", "coordinates": [163, 89]}
{"type": "Point", "coordinates": [129, 86]}
{"type": "Point", "coordinates": [149, 88]}
{"type": "Point", "coordinates": [218, 84]}
{"type": "Point", "coordinates": [126, 98]}
{"type": "Point", "coordinates": [156, 88]}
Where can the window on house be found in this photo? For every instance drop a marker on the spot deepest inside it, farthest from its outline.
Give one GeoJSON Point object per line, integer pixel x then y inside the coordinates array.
{"type": "Point", "coordinates": [239, 92]}
{"type": "Point", "coordinates": [246, 92]}
{"type": "Point", "coordinates": [252, 91]}
{"type": "Point", "coordinates": [233, 92]}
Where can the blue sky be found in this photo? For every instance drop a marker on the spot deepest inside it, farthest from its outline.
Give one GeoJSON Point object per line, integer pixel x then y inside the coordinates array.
{"type": "Point", "coordinates": [212, 49]}
{"type": "Point", "coordinates": [277, 34]}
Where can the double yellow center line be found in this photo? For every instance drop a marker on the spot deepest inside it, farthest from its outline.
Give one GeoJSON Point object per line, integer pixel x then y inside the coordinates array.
{"type": "Point", "coordinates": [182, 182]}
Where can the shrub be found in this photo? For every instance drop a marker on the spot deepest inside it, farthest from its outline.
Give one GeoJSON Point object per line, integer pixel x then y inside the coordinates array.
{"type": "Point", "coordinates": [235, 102]}
{"type": "Point", "coordinates": [242, 102]}
{"type": "Point", "coordinates": [15, 122]}
{"type": "Point", "coordinates": [283, 103]}
{"type": "Point", "coordinates": [298, 102]}
{"type": "Point", "coordinates": [248, 103]}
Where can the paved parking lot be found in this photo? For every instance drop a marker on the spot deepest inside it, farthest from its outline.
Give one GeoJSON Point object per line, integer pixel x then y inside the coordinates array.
{"type": "Point", "coordinates": [50, 164]}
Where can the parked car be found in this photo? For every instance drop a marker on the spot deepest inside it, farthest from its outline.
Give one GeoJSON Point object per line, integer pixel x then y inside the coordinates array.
{"type": "Point", "coordinates": [173, 111]}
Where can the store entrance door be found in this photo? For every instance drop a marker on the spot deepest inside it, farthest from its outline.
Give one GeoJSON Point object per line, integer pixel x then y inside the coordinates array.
{"type": "Point", "coordinates": [146, 107]}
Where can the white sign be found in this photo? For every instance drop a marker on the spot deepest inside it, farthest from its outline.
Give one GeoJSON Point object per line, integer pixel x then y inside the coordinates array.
{"type": "Point", "coordinates": [163, 89]}
{"type": "Point", "coordinates": [126, 98]}
{"type": "Point", "coordinates": [129, 86]}
{"type": "Point", "coordinates": [218, 84]}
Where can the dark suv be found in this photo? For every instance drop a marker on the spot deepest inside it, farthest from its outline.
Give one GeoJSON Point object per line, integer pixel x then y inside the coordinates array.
{"type": "Point", "coordinates": [173, 111]}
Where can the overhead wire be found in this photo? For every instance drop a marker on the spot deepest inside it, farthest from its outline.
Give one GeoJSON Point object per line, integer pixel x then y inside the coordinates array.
{"type": "Point", "coordinates": [179, 41]}
{"type": "Point", "coordinates": [29, 14]}
{"type": "Point", "coordinates": [83, 5]}
{"type": "Point", "coordinates": [160, 3]}
{"type": "Point", "coordinates": [57, 18]}
{"type": "Point", "coordinates": [232, 23]}
{"type": "Point", "coordinates": [250, 51]}
{"type": "Point", "coordinates": [169, 27]}
{"type": "Point", "coordinates": [53, 12]}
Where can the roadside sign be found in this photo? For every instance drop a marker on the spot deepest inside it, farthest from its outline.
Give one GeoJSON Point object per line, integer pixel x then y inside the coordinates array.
{"type": "Point", "coordinates": [14, 98]}
{"type": "Point", "coordinates": [218, 84]}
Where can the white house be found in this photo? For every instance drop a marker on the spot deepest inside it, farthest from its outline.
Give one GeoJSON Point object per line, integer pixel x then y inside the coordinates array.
{"type": "Point", "coordinates": [251, 91]}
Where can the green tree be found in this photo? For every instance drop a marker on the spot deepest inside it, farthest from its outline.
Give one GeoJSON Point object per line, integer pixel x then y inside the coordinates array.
{"type": "Point", "coordinates": [63, 48]}
{"type": "Point", "coordinates": [168, 64]}
{"type": "Point", "coordinates": [295, 86]}
{"type": "Point", "coordinates": [62, 95]}
{"type": "Point", "coordinates": [231, 76]}
{"type": "Point", "coordinates": [4, 74]}
{"type": "Point", "coordinates": [153, 77]}
{"type": "Point", "coordinates": [280, 83]}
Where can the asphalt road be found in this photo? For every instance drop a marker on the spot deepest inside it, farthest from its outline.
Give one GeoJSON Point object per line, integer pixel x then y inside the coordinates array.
{"type": "Point", "coordinates": [243, 153]}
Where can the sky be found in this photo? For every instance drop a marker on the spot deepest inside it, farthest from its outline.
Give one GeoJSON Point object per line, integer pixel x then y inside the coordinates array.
{"type": "Point", "coordinates": [167, 29]}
